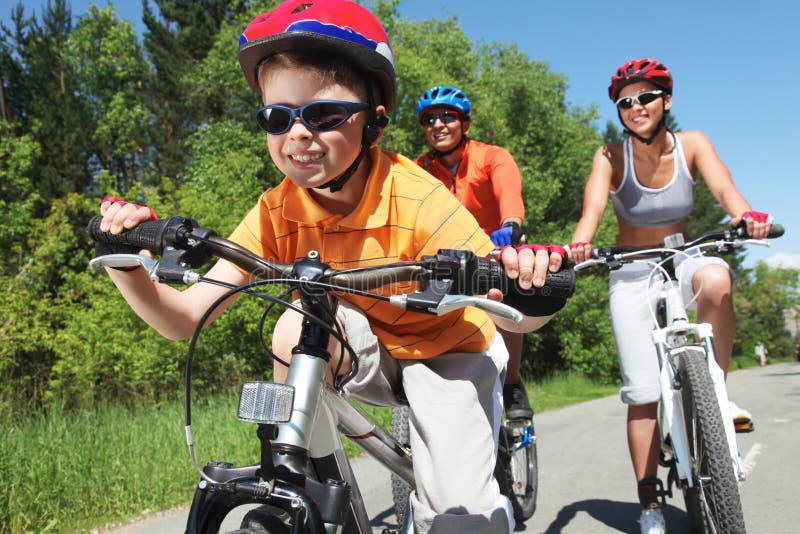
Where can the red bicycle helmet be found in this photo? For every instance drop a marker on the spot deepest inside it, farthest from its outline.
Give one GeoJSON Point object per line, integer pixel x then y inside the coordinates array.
{"type": "Point", "coordinates": [638, 70]}
{"type": "Point", "coordinates": [338, 26]}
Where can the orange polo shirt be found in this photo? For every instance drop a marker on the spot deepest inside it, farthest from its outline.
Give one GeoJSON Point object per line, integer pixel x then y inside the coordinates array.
{"type": "Point", "coordinates": [487, 182]}
{"type": "Point", "coordinates": [404, 214]}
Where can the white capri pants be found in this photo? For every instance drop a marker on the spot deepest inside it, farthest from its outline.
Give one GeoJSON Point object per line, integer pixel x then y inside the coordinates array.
{"type": "Point", "coordinates": [455, 401]}
{"type": "Point", "coordinates": [631, 321]}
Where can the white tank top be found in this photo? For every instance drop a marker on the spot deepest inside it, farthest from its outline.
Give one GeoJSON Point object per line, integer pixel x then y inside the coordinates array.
{"type": "Point", "coordinates": [638, 205]}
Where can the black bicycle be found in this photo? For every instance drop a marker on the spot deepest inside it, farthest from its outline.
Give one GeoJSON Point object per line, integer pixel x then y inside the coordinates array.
{"type": "Point", "coordinates": [295, 487]}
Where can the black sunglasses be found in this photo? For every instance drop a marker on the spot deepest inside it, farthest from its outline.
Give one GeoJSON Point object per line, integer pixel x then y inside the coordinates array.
{"type": "Point", "coordinates": [446, 117]}
{"type": "Point", "coordinates": [644, 98]}
{"type": "Point", "coordinates": [320, 115]}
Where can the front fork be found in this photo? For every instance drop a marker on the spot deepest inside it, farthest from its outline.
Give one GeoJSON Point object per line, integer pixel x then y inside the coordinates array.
{"type": "Point", "coordinates": [672, 413]}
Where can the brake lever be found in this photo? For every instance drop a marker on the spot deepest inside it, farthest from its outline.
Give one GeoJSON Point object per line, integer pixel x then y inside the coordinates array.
{"type": "Point", "coordinates": [126, 260]}
{"type": "Point", "coordinates": [157, 271]}
{"type": "Point", "coordinates": [454, 302]}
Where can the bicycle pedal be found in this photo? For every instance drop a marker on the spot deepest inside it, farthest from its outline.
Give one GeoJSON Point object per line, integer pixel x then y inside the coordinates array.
{"type": "Point", "coordinates": [388, 531]}
{"type": "Point", "coordinates": [744, 428]}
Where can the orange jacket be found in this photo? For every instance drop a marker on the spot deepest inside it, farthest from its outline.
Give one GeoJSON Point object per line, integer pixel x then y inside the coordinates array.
{"type": "Point", "coordinates": [487, 182]}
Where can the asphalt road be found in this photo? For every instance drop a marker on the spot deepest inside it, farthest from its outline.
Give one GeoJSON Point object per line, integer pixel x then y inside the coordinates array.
{"type": "Point", "coordinates": [585, 479]}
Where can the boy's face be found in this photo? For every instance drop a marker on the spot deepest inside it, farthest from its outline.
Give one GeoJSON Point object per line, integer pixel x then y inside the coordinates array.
{"type": "Point", "coordinates": [312, 158]}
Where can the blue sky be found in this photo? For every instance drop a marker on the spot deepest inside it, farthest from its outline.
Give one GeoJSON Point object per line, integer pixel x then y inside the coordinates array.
{"type": "Point", "coordinates": [736, 65]}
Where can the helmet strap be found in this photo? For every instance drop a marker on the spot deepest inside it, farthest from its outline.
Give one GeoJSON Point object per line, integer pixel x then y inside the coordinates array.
{"type": "Point", "coordinates": [368, 136]}
{"type": "Point", "coordinates": [444, 153]}
{"type": "Point", "coordinates": [646, 140]}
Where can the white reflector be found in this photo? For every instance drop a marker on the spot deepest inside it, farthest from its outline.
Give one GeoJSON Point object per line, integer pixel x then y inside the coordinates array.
{"type": "Point", "coordinates": [265, 402]}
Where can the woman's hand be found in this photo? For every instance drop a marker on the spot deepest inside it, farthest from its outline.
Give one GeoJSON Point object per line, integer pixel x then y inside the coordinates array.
{"type": "Point", "coordinates": [579, 252]}
{"type": "Point", "coordinates": [758, 223]}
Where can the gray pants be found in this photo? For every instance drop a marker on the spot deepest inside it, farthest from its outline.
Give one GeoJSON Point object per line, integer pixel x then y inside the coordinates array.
{"type": "Point", "coordinates": [456, 403]}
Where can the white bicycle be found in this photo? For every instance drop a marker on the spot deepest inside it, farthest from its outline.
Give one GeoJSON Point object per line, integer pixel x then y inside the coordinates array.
{"type": "Point", "coordinates": [698, 439]}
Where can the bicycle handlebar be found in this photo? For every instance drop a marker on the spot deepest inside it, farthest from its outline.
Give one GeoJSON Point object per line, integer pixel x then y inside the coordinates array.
{"type": "Point", "coordinates": [728, 239]}
{"type": "Point", "coordinates": [183, 245]}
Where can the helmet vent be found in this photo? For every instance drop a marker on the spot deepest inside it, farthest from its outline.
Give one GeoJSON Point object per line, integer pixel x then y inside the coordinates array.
{"type": "Point", "coordinates": [301, 7]}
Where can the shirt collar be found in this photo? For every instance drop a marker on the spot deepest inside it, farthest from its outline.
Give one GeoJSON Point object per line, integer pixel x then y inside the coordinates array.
{"type": "Point", "coordinates": [372, 212]}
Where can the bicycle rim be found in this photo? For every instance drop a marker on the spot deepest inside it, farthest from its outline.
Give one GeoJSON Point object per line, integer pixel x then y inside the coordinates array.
{"type": "Point", "coordinates": [713, 502]}
{"type": "Point", "coordinates": [517, 470]}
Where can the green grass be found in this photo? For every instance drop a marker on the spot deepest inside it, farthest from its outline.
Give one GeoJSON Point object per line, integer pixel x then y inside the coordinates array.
{"type": "Point", "coordinates": [71, 471]}
{"type": "Point", "coordinates": [565, 390]}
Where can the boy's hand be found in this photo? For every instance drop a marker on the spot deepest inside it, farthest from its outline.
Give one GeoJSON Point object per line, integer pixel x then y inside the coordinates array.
{"type": "Point", "coordinates": [530, 263]}
{"type": "Point", "coordinates": [119, 215]}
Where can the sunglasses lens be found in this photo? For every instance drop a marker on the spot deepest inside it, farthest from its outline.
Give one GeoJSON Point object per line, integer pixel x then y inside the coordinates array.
{"type": "Point", "coordinates": [625, 103]}
{"type": "Point", "coordinates": [646, 98]}
{"type": "Point", "coordinates": [446, 118]}
{"type": "Point", "coordinates": [325, 115]}
{"type": "Point", "coordinates": [274, 120]}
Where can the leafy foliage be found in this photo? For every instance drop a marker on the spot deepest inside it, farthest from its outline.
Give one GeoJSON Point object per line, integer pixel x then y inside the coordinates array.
{"type": "Point", "coordinates": [92, 110]}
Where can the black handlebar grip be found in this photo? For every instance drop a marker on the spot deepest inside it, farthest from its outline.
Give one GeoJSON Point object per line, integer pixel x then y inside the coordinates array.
{"type": "Point", "coordinates": [489, 274]}
{"type": "Point", "coordinates": [776, 230]}
{"type": "Point", "coordinates": [147, 235]}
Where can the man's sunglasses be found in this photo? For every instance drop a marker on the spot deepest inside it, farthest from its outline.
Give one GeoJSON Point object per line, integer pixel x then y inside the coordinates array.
{"type": "Point", "coordinates": [320, 115]}
{"type": "Point", "coordinates": [446, 117]}
{"type": "Point", "coordinates": [644, 98]}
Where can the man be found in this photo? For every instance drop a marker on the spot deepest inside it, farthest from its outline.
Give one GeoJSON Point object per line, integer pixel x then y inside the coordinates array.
{"type": "Point", "coordinates": [487, 181]}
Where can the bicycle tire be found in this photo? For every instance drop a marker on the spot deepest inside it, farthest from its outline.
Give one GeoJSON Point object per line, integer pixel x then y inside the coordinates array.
{"type": "Point", "coordinates": [517, 468]}
{"type": "Point", "coordinates": [400, 488]}
{"type": "Point", "coordinates": [265, 519]}
{"type": "Point", "coordinates": [713, 502]}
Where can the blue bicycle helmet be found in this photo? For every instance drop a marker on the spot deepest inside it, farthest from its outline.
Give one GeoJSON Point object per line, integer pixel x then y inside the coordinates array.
{"type": "Point", "coordinates": [444, 95]}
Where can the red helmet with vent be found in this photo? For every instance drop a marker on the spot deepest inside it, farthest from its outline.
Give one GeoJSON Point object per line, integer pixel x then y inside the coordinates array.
{"type": "Point", "coordinates": [640, 70]}
{"type": "Point", "coordinates": [341, 27]}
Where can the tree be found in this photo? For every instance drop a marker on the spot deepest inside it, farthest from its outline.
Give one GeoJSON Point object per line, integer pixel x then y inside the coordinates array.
{"type": "Point", "coordinates": [180, 34]}
{"type": "Point", "coordinates": [42, 95]}
{"type": "Point", "coordinates": [110, 69]}
{"type": "Point", "coordinates": [761, 296]}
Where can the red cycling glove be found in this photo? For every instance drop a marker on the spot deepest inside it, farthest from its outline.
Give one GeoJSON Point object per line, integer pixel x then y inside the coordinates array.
{"type": "Point", "coordinates": [536, 248]}
{"type": "Point", "coordinates": [757, 216]}
{"type": "Point", "coordinates": [121, 202]}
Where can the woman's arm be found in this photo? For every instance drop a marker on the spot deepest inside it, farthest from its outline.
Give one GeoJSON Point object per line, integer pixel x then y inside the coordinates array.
{"type": "Point", "coordinates": [595, 200]}
{"type": "Point", "coordinates": [719, 181]}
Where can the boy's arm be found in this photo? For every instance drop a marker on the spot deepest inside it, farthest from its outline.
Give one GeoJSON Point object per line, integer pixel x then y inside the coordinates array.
{"type": "Point", "coordinates": [172, 313]}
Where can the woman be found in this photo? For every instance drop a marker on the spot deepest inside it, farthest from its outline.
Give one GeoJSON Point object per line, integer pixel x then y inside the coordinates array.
{"type": "Point", "coordinates": [651, 178]}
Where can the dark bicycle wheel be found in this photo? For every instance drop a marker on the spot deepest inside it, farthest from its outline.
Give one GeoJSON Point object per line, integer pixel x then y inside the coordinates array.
{"type": "Point", "coordinates": [265, 518]}
{"type": "Point", "coordinates": [713, 502]}
{"type": "Point", "coordinates": [400, 488]}
{"type": "Point", "coordinates": [517, 469]}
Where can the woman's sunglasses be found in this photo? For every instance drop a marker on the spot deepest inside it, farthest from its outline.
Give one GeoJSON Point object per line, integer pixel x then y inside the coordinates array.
{"type": "Point", "coordinates": [445, 116]}
{"type": "Point", "coordinates": [644, 98]}
{"type": "Point", "coordinates": [320, 115]}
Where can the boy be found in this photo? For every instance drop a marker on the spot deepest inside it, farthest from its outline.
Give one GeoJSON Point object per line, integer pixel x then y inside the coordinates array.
{"type": "Point", "coordinates": [325, 72]}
